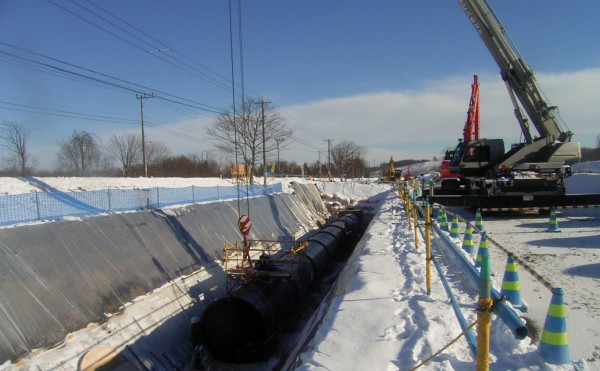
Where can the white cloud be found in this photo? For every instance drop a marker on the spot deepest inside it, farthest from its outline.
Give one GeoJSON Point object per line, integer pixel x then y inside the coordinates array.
{"type": "Point", "coordinates": [420, 123]}
{"type": "Point", "coordinates": [417, 123]}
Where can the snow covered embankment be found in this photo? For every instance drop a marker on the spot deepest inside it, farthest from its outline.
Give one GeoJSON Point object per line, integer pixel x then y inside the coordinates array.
{"type": "Point", "coordinates": [383, 319]}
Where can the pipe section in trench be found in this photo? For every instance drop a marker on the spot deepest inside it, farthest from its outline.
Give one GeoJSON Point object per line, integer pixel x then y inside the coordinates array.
{"type": "Point", "coordinates": [236, 328]}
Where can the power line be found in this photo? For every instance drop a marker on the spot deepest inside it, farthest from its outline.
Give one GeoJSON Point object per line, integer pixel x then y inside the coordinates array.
{"type": "Point", "coordinates": [104, 82]}
{"type": "Point", "coordinates": [99, 118]}
{"type": "Point", "coordinates": [177, 134]}
{"type": "Point", "coordinates": [120, 84]}
{"type": "Point", "coordinates": [64, 113]}
{"type": "Point", "coordinates": [62, 72]}
{"type": "Point", "coordinates": [169, 48]}
{"type": "Point", "coordinates": [318, 134]}
{"type": "Point", "coordinates": [184, 110]}
{"type": "Point", "coordinates": [298, 140]}
{"type": "Point", "coordinates": [148, 47]}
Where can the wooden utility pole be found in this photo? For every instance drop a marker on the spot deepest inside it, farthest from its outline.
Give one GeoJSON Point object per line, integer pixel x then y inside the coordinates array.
{"type": "Point", "coordinates": [278, 140]}
{"type": "Point", "coordinates": [141, 98]}
{"type": "Point", "coordinates": [262, 107]}
{"type": "Point", "coordinates": [329, 156]}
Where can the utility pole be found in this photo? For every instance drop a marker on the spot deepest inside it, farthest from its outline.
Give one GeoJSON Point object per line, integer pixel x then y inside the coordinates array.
{"type": "Point", "coordinates": [141, 98]}
{"type": "Point", "coordinates": [262, 107]}
{"type": "Point", "coordinates": [329, 156]}
{"type": "Point", "coordinates": [319, 163]}
{"type": "Point", "coordinates": [278, 140]}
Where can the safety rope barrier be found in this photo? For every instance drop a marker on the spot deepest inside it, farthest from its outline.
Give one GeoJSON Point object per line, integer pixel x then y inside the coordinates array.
{"type": "Point", "coordinates": [450, 266]}
{"type": "Point", "coordinates": [490, 298]}
{"type": "Point", "coordinates": [469, 337]}
{"type": "Point", "coordinates": [447, 345]}
{"type": "Point", "coordinates": [454, 272]}
{"type": "Point", "coordinates": [541, 279]}
{"type": "Point", "coordinates": [553, 347]}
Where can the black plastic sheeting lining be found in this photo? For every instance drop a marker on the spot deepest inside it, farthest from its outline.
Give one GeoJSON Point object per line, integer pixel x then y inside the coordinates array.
{"type": "Point", "coordinates": [235, 328]}
{"type": "Point", "coordinates": [58, 277]}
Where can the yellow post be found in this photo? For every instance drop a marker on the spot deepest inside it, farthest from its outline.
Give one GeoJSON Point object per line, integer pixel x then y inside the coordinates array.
{"type": "Point", "coordinates": [428, 246]}
{"type": "Point", "coordinates": [416, 216]}
{"type": "Point", "coordinates": [409, 211]}
{"type": "Point", "coordinates": [484, 315]}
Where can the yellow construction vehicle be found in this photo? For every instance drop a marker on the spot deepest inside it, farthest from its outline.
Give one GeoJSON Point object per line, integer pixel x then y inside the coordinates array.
{"type": "Point", "coordinates": [393, 174]}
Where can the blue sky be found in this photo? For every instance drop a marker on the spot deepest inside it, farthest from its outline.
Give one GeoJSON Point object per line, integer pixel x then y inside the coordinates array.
{"type": "Point", "coordinates": [393, 76]}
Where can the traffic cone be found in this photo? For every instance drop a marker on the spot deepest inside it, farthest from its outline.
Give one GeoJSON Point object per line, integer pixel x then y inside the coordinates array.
{"type": "Point", "coordinates": [467, 244]}
{"type": "Point", "coordinates": [511, 288]}
{"type": "Point", "coordinates": [553, 227]}
{"type": "Point", "coordinates": [483, 248]}
{"type": "Point", "coordinates": [554, 346]}
{"type": "Point", "coordinates": [454, 231]}
{"type": "Point", "coordinates": [444, 223]}
{"type": "Point", "coordinates": [438, 217]}
{"type": "Point", "coordinates": [479, 221]}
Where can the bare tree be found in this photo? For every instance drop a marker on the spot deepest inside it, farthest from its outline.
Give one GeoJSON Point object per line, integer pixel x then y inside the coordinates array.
{"type": "Point", "coordinates": [127, 149]}
{"type": "Point", "coordinates": [80, 153]}
{"type": "Point", "coordinates": [348, 158]}
{"type": "Point", "coordinates": [204, 162]}
{"type": "Point", "coordinates": [156, 152]}
{"type": "Point", "coordinates": [242, 134]}
{"type": "Point", "coordinates": [14, 138]}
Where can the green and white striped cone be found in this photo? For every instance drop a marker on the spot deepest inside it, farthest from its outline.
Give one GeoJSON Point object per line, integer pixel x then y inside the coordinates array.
{"type": "Point", "coordinates": [444, 224]}
{"type": "Point", "coordinates": [479, 221]}
{"type": "Point", "coordinates": [511, 287]}
{"type": "Point", "coordinates": [554, 346]}
{"type": "Point", "coordinates": [468, 244]}
{"type": "Point", "coordinates": [553, 227]}
{"type": "Point", "coordinates": [454, 230]}
{"type": "Point", "coordinates": [483, 248]}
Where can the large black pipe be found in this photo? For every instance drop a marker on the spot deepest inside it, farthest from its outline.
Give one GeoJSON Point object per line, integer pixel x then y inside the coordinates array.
{"type": "Point", "coordinates": [235, 328]}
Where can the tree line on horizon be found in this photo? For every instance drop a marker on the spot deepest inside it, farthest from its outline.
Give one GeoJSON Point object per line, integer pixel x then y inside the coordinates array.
{"type": "Point", "coordinates": [243, 134]}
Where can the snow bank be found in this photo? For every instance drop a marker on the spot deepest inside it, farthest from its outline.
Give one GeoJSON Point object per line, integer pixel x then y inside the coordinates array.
{"type": "Point", "coordinates": [583, 183]}
{"type": "Point", "coordinates": [13, 186]}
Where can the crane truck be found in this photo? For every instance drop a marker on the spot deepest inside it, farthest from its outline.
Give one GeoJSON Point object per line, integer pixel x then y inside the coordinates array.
{"type": "Point", "coordinates": [530, 173]}
{"type": "Point", "coordinates": [534, 165]}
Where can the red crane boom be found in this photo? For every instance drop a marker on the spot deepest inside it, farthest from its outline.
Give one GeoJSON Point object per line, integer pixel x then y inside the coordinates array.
{"type": "Point", "coordinates": [470, 131]}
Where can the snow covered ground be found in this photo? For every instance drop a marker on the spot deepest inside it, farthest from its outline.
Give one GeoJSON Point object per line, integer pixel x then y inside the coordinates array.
{"type": "Point", "coordinates": [386, 321]}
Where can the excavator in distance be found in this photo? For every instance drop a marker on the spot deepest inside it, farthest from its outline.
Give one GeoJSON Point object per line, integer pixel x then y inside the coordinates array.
{"type": "Point", "coordinates": [393, 175]}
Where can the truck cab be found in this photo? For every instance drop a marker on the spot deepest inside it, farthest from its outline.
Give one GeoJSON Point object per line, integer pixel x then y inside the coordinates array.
{"type": "Point", "coordinates": [478, 157]}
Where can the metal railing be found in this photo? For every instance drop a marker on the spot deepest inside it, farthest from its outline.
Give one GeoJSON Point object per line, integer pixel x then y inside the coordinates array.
{"type": "Point", "coordinates": [49, 206]}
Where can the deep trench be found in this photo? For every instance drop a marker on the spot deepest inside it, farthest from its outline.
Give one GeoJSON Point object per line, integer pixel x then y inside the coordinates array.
{"type": "Point", "coordinates": [294, 333]}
